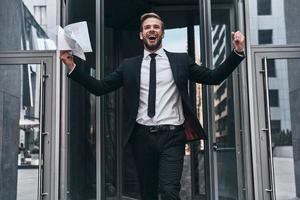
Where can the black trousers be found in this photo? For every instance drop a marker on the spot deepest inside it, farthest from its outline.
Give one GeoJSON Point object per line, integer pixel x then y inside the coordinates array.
{"type": "Point", "coordinates": [159, 161]}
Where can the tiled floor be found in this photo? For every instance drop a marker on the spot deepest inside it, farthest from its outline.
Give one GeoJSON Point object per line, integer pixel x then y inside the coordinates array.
{"type": "Point", "coordinates": [27, 184]}
{"type": "Point", "coordinates": [284, 176]}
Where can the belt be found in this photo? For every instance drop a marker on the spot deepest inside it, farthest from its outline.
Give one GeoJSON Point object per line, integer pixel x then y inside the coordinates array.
{"type": "Point", "coordinates": [157, 128]}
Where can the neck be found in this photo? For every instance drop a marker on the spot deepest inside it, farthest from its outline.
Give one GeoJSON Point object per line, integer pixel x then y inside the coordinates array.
{"type": "Point", "coordinates": [153, 50]}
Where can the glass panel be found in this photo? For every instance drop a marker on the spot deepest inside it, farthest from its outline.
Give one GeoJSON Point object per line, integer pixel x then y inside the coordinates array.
{"type": "Point", "coordinates": [199, 167]}
{"type": "Point", "coordinates": [30, 25]}
{"type": "Point", "coordinates": [81, 163]}
{"type": "Point", "coordinates": [285, 127]}
{"type": "Point", "coordinates": [272, 22]}
{"type": "Point", "coordinates": [110, 121]}
{"type": "Point", "coordinates": [39, 22]}
{"type": "Point", "coordinates": [82, 143]}
{"type": "Point", "coordinates": [224, 109]}
{"type": "Point", "coordinates": [19, 131]}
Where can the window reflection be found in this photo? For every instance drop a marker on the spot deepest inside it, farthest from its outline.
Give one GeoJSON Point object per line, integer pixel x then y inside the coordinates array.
{"type": "Point", "coordinates": [284, 115]}
{"type": "Point", "coordinates": [224, 108]}
{"type": "Point", "coordinates": [273, 22]}
{"type": "Point", "coordinates": [20, 131]}
{"type": "Point", "coordinates": [35, 34]}
{"type": "Point", "coordinates": [176, 40]}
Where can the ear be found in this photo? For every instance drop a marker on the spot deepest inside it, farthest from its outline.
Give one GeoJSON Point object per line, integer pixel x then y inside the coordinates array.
{"type": "Point", "coordinates": [141, 36]}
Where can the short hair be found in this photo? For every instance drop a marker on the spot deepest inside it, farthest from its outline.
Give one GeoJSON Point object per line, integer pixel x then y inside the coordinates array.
{"type": "Point", "coordinates": [150, 15]}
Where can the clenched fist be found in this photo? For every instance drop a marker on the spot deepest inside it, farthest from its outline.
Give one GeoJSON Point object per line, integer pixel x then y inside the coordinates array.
{"type": "Point", "coordinates": [67, 58]}
{"type": "Point", "coordinates": [238, 41]}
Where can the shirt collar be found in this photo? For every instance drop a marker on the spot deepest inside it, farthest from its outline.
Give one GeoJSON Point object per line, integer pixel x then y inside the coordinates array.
{"type": "Point", "coordinates": [160, 52]}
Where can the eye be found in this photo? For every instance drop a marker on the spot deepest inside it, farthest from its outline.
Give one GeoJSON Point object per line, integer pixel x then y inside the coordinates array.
{"type": "Point", "coordinates": [156, 26]}
{"type": "Point", "coordinates": [147, 27]}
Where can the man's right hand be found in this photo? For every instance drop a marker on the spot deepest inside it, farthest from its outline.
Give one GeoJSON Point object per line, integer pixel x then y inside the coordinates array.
{"type": "Point", "coordinates": [67, 58]}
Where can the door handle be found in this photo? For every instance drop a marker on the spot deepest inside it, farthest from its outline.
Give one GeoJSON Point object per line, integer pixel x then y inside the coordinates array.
{"type": "Point", "coordinates": [268, 129]}
{"type": "Point", "coordinates": [215, 146]}
{"type": "Point", "coordinates": [42, 133]}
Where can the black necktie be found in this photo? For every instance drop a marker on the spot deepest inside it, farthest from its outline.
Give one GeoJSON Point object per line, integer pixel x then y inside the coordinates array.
{"type": "Point", "coordinates": [152, 86]}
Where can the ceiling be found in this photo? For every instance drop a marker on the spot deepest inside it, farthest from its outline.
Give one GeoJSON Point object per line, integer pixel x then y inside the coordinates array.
{"type": "Point", "coordinates": [125, 14]}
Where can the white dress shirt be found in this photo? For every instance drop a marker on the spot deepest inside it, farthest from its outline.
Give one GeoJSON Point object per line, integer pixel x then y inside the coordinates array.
{"type": "Point", "coordinates": [168, 104]}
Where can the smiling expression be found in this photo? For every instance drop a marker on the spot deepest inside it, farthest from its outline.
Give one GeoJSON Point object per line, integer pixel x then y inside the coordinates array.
{"type": "Point", "coordinates": [152, 34]}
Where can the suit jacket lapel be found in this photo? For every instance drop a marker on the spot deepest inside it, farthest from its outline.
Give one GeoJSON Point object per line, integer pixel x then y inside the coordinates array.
{"type": "Point", "coordinates": [173, 64]}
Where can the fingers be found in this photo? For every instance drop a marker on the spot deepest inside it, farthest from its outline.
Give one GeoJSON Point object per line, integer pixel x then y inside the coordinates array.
{"type": "Point", "coordinates": [67, 58]}
{"type": "Point", "coordinates": [237, 36]}
{"type": "Point", "coordinates": [238, 40]}
{"type": "Point", "coordinates": [66, 55]}
{"type": "Point", "coordinates": [62, 53]}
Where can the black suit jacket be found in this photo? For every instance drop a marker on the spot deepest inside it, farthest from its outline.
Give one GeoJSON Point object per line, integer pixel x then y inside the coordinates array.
{"type": "Point", "coordinates": [183, 69]}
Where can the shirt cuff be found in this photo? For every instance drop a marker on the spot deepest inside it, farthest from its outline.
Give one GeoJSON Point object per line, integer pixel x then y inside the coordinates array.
{"type": "Point", "coordinates": [242, 54]}
{"type": "Point", "coordinates": [72, 69]}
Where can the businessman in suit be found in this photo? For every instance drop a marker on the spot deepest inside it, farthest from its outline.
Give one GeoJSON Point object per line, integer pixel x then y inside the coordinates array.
{"type": "Point", "coordinates": [159, 116]}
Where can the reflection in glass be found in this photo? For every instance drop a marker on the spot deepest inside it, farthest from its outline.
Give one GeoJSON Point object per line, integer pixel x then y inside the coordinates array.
{"type": "Point", "coordinates": [29, 25]}
{"type": "Point", "coordinates": [224, 109]}
{"type": "Point", "coordinates": [110, 123]}
{"type": "Point", "coordinates": [285, 127]}
{"type": "Point", "coordinates": [20, 130]}
{"type": "Point", "coordinates": [275, 18]}
{"type": "Point", "coordinates": [39, 24]}
{"type": "Point", "coordinates": [175, 40]}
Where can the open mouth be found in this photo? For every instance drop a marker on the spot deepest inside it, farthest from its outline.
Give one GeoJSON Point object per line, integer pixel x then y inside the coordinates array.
{"type": "Point", "coordinates": [152, 38]}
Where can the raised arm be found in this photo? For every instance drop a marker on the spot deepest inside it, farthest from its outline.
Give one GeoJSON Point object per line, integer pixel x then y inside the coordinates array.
{"type": "Point", "coordinates": [201, 74]}
{"type": "Point", "coordinates": [107, 84]}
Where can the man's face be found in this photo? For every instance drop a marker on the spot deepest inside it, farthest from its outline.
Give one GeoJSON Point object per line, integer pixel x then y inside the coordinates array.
{"type": "Point", "coordinates": [152, 34]}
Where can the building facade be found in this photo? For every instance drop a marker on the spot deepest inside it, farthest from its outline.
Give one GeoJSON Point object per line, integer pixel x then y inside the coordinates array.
{"type": "Point", "coordinates": [59, 142]}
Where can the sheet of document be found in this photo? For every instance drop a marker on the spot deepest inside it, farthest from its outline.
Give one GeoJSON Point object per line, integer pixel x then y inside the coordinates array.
{"type": "Point", "coordinates": [74, 37]}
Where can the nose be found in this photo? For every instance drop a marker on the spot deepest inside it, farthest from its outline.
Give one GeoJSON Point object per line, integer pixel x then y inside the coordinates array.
{"type": "Point", "coordinates": [152, 29]}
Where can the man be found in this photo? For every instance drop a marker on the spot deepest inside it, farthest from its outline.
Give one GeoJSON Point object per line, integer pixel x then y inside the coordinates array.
{"type": "Point", "coordinates": [159, 115]}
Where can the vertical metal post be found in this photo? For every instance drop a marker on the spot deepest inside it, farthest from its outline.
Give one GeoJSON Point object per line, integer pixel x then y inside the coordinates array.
{"type": "Point", "coordinates": [206, 56]}
{"type": "Point", "coordinates": [41, 129]}
{"type": "Point", "coordinates": [268, 129]}
{"type": "Point", "coordinates": [99, 61]}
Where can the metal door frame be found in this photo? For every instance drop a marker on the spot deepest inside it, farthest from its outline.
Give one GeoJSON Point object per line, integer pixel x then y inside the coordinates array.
{"type": "Point", "coordinates": [51, 77]}
{"type": "Point", "coordinates": [236, 76]}
{"type": "Point", "coordinates": [262, 173]}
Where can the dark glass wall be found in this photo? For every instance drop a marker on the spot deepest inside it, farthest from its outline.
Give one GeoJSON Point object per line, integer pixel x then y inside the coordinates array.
{"type": "Point", "coordinates": [224, 107]}
{"type": "Point", "coordinates": [82, 118]}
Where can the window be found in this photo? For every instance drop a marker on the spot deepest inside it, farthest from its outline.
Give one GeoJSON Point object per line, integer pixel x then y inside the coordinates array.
{"type": "Point", "coordinates": [40, 15]}
{"type": "Point", "coordinates": [273, 98]}
{"type": "Point", "coordinates": [275, 126]}
{"type": "Point", "coordinates": [271, 68]}
{"type": "Point", "coordinates": [264, 7]}
{"type": "Point", "coordinates": [265, 36]}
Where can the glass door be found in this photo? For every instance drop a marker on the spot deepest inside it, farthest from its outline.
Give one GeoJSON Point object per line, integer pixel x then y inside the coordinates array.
{"type": "Point", "coordinates": [278, 94]}
{"type": "Point", "coordinates": [225, 103]}
{"type": "Point", "coordinates": [26, 125]}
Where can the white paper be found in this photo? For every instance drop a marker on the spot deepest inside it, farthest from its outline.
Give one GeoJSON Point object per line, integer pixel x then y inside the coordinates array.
{"type": "Point", "coordinates": [74, 37]}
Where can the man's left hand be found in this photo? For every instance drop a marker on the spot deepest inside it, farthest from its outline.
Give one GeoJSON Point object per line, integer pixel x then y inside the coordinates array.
{"type": "Point", "coordinates": [238, 41]}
